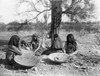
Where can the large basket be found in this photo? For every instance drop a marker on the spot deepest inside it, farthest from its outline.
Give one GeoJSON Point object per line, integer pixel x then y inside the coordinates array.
{"type": "Point", "coordinates": [27, 59]}
{"type": "Point", "coordinates": [58, 57]}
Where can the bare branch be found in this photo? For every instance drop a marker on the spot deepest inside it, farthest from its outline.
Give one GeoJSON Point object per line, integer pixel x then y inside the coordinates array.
{"type": "Point", "coordinates": [71, 6]}
{"type": "Point", "coordinates": [39, 14]}
{"type": "Point", "coordinates": [34, 9]}
{"type": "Point", "coordinates": [28, 11]}
{"type": "Point", "coordinates": [77, 2]}
{"type": "Point", "coordinates": [44, 4]}
{"type": "Point", "coordinates": [74, 3]}
{"type": "Point", "coordinates": [34, 6]}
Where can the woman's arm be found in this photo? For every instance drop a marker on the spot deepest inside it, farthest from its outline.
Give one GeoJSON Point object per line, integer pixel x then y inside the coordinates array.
{"type": "Point", "coordinates": [73, 53]}
{"type": "Point", "coordinates": [64, 51]}
{"type": "Point", "coordinates": [16, 50]}
{"type": "Point", "coordinates": [64, 48]}
{"type": "Point", "coordinates": [38, 46]}
{"type": "Point", "coordinates": [75, 46]}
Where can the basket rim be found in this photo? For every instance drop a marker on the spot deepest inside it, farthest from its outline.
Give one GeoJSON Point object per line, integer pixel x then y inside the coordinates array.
{"type": "Point", "coordinates": [22, 64]}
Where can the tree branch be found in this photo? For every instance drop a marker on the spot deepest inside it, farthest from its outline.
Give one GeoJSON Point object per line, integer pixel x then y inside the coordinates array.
{"type": "Point", "coordinates": [32, 4]}
{"type": "Point", "coordinates": [47, 6]}
{"type": "Point", "coordinates": [77, 2]}
{"type": "Point", "coordinates": [35, 9]}
{"type": "Point", "coordinates": [71, 6]}
{"type": "Point", "coordinates": [39, 14]}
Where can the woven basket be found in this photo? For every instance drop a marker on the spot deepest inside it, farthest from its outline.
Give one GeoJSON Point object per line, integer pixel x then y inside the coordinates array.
{"type": "Point", "coordinates": [27, 59]}
{"type": "Point", "coordinates": [58, 57]}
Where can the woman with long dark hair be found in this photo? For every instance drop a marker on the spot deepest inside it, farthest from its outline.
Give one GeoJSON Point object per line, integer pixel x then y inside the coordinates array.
{"type": "Point", "coordinates": [70, 44]}
{"type": "Point", "coordinates": [13, 49]}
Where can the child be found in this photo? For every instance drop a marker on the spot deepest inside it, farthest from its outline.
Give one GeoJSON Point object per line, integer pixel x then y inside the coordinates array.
{"type": "Point", "coordinates": [24, 45]}
{"type": "Point", "coordinates": [12, 50]}
{"type": "Point", "coordinates": [70, 44]}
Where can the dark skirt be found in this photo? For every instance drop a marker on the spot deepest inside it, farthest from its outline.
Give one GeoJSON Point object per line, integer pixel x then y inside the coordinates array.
{"type": "Point", "coordinates": [10, 58]}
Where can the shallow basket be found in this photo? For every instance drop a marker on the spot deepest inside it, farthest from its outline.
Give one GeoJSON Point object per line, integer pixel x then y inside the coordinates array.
{"type": "Point", "coordinates": [28, 59]}
{"type": "Point", "coordinates": [58, 57]}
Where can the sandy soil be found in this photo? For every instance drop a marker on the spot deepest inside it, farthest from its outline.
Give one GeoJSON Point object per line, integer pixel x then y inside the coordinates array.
{"type": "Point", "coordinates": [85, 63]}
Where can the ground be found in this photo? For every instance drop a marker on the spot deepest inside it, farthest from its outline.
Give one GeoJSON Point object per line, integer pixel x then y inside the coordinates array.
{"type": "Point", "coordinates": [85, 63]}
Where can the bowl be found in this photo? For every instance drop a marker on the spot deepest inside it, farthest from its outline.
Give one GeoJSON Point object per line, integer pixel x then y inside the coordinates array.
{"type": "Point", "coordinates": [26, 60]}
{"type": "Point", "coordinates": [58, 57]}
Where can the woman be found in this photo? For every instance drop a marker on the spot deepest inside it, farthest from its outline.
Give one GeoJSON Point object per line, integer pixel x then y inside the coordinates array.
{"type": "Point", "coordinates": [56, 46]}
{"type": "Point", "coordinates": [13, 49]}
{"type": "Point", "coordinates": [35, 42]}
{"type": "Point", "coordinates": [57, 42]}
{"type": "Point", "coordinates": [70, 44]}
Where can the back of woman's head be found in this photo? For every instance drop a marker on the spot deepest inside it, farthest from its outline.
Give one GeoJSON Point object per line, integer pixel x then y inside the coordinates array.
{"type": "Point", "coordinates": [14, 40]}
{"type": "Point", "coordinates": [70, 38]}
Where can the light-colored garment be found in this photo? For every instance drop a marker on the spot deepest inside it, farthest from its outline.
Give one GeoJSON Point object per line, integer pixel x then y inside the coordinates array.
{"type": "Point", "coordinates": [57, 43]}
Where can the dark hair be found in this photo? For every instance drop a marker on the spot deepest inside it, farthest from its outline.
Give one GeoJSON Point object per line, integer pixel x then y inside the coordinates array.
{"type": "Point", "coordinates": [23, 42]}
{"type": "Point", "coordinates": [14, 40]}
{"type": "Point", "coordinates": [70, 38]}
{"type": "Point", "coordinates": [71, 44]}
{"type": "Point", "coordinates": [34, 37]}
{"type": "Point", "coordinates": [55, 35]}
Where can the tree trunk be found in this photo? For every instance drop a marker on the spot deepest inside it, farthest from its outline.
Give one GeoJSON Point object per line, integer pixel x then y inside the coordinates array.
{"type": "Point", "coordinates": [55, 20]}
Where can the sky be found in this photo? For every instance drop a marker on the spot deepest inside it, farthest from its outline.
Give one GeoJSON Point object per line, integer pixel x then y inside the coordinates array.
{"type": "Point", "coordinates": [8, 11]}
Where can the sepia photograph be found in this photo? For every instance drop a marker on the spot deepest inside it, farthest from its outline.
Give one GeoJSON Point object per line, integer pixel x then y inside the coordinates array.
{"type": "Point", "coordinates": [49, 37]}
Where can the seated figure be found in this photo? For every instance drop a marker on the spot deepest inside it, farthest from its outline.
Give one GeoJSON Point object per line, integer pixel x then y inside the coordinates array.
{"type": "Point", "coordinates": [70, 44]}
{"type": "Point", "coordinates": [12, 49]}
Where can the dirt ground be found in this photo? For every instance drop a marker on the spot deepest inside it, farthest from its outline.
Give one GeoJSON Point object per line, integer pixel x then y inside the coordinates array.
{"type": "Point", "coordinates": [85, 63]}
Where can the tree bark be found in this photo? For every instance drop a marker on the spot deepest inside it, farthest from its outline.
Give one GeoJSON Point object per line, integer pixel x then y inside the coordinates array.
{"type": "Point", "coordinates": [56, 13]}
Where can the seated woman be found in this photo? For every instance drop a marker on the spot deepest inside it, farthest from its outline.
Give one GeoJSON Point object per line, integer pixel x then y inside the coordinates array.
{"type": "Point", "coordinates": [56, 46]}
{"type": "Point", "coordinates": [12, 49]}
{"type": "Point", "coordinates": [57, 43]}
{"type": "Point", "coordinates": [35, 41]}
{"type": "Point", "coordinates": [70, 44]}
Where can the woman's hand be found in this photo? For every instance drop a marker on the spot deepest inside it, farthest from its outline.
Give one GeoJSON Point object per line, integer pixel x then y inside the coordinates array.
{"type": "Point", "coordinates": [73, 53]}
{"type": "Point", "coordinates": [63, 49]}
